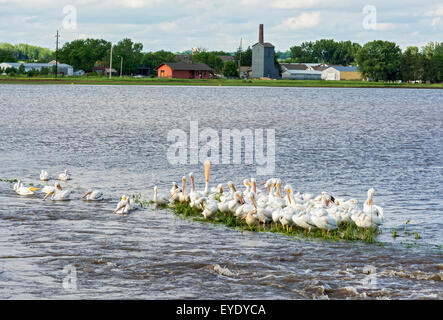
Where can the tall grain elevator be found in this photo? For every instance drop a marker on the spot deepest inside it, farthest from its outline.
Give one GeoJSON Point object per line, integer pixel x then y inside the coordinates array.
{"type": "Point", "coordinates": [263, 56]}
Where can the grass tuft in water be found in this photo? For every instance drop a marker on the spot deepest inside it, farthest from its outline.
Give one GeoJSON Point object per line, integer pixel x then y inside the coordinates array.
{"type": "Point", "coordinates": [346, 231]}
{"type": "Point", "coordinates": [9, 180]}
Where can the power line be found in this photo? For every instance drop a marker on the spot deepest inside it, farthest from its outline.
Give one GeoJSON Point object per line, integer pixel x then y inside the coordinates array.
{"type": "Point", "coordinates": [56, 53]}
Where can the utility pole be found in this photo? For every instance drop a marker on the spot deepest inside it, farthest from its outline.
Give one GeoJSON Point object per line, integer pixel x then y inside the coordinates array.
{"type": "Point", "coordinates": [121, 66]}
{"type": "Point", "coordinates": [56, 53]}
{"type": "Point", "coordinates": [239, 61]}
{"type": "Point", "coordinates": [110, 65]}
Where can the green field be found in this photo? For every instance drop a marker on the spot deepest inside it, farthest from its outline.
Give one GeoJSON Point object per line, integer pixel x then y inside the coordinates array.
{"type": "Point", "coordinates": [212, 82]}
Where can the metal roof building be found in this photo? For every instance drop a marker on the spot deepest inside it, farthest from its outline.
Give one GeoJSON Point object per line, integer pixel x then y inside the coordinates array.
{"type": "Point", "coordinates": [294, 74]}
{"type": "Point", "coordinates": [341, 73]}
{"type": "Point", "coordinates": [63, 68]}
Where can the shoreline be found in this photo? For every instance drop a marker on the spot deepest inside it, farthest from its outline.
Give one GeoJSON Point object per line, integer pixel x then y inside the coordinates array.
{"type": "Point", "coordinates": [218, 82]}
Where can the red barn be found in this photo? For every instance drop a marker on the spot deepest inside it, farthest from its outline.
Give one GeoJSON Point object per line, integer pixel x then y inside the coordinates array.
{"type": "Point", "coordinates": [183, 70]}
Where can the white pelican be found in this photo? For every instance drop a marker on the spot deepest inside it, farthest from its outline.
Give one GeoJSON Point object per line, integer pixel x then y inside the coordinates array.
{"type": "Point", "coordinates": [303, 220]}
{"type": "Point", "coordinates": [276, 213]}
{"type": "Point", "coordinates": [64, 176]}
{"type": "Point", "coordinates": [320, 217]}
{"type": "Point", "coordinates": [16, 185]}
{"type": "Point", "coordinates": [264, 213]}
{"type": "Point", "coordinates": [123, 206]}
{"type": "Point", "coordinates": [183, 197]}
{"type": "Point", "coordinates": [48, 189]}
{"type": "Point", "coordinates": [174, 193]}
{"type": "Point", "coordinates": [307, 196]}
{"type": "Point", "coordinates": [275, 200]}
{"type": "Point", "coordinates": [44, 176]}
{"type": "Point", "coordinates": [216, 192]}
{"type": "Point", "coordinates": [372, 215]}
{"type": "Point", "coordinates": [247, 190]}
{"type": "Point", "coordinates": [286, 217]}
{"type": "Point", "coordinates": [58, 194]}
{"type": "Point", "coordinates": [210, 207]}
{"type": "Point", "coordinates": [251, 218]}
{"type": "Point", "coordinates": [243, 209]}
{"type": "Point", "coordinates": [223, 206]}
{"type": "Point", "coordinates": [236, 202]}
{"type": "Point", "coordinates": [160, 200]}
{"type": "Point", "coordinates": [194, 195]}
{"type": "Point", "coordinates": [207, 166]}
{"type": "Point", "coordinates": [372, 210]}
{"type": "Point", "coordinates": [20, 189]}
{"type": "Point", "coordinates": [174, 187]}
{"type": "Point", "coordinates": [231, 194]}
{"type": "Point", "coordinates": [93, 195]}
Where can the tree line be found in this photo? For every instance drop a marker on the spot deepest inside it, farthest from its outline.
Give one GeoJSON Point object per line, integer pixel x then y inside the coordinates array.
{"type": "Point", "coordinates": [24, 52]}
{"type": "Point", "coordinates": [376, 60]}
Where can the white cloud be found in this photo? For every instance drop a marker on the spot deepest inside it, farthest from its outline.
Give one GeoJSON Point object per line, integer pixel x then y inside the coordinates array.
{"type": "Point", "coordinates": [385, 26]}
{"type": "Point", "coordinates": [167, 26]}
{"type": "Point", "coordinates": [435, 12]}
{"type": "Point", "coordinates": [296, 4]}
{"type": "Point", "coordinates": [178, 25]}
{"type": "Point", "coordinates": [303, 21]}
{"type": "Point", "coordinates": [436, 21]}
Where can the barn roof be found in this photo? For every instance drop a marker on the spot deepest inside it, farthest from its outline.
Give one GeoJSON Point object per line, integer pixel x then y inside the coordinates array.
{"type": "Point", "coordinates": [294, 66]}
{"type": "Point", "coordinates": [265, 44]}
{"type": "Point", "coordinates": [303, 71]}
{"type": "Point", "coordinates": [343, 68]}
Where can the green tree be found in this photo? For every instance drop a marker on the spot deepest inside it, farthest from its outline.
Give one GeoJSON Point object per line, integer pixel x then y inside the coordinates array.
{"type": "Point", "coordinates": [44, 71]}
{"type": "Point", "coordinates": [304, 53]}
{"type": "Point", "coordinates": [7, 56]}
{"type": "Point", "coordinates": [27, 52]}
{"type": "Point", "coordinates": [345, 53]}
{"type": "Point", "coordinates": [21, 69]}
{"type": "Point", "coordinates": [83, 53]}
{"type": "Point", "coordinates": [131, 53]}
{"type": "Point", "coordinates": [11, 71]}
{"type": "Point", "coordinates": [230, 69]}
{"type": "Point", "coordinates": [325, 51]}
{"type": "Point", "coordinates": [32, 73]}
{"type": "Point", "coordinates": [433, 62]}
{"type": "Point", "coordinates": [152, 60]}
{"type": "Point", "coordinates": [379, 60]}
{"type": "Point", "coordinates": [412, 64]}
{"type": "Point", "coordinates": [208, 58]}
{"type": "Point", "coordinates": [246, 57]}
{"type": "Point", "coordinates": [284, 55]}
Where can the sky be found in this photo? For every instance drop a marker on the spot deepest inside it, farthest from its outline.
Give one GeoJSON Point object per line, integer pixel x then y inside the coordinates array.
{"type": "Point", "coordinates": [179, 25]}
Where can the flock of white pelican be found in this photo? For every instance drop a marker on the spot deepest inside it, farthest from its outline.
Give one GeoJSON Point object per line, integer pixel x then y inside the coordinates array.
{"type": "Point", "coordinates": [269, 205]}
{"type": "Point", "coordinates": [57, 193]}
{"type": "Point", "coordinates": [273, 205]}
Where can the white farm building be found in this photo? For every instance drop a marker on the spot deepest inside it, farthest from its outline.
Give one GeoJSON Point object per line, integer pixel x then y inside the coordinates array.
{"type": "Point", "coordinates": [62, 68]}
{"type": "Point", "coordinates": [299, 71]}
